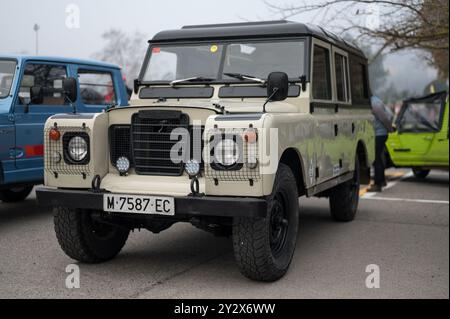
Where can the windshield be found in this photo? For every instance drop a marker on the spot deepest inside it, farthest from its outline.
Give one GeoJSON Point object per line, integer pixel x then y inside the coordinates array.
{"type": "Point", "coordinates": [7, 70]}
{"type": "Point", "coordinates": [422, 117]}
{"type": "Point", "coordinates": [257, 59]}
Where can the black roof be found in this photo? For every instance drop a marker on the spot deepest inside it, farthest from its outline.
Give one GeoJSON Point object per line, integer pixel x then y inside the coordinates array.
{"type": "Point", "coordinates": [253, 30]}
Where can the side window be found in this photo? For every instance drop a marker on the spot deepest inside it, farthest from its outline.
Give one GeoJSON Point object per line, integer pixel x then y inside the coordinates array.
{"type": "Point", "coordinates": [96, 88]}
{"type": "Point", "coordinates": [322, 74]}
{"type": "Point", "coordinates": [360, 85]}
{"type": "Point", "coordinates": [341, 66]}
{"type": "Point", "coordinates": [49, 77]}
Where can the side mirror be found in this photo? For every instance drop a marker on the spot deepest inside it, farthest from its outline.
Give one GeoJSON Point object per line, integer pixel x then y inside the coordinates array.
{"type": "Point", "coordinates": [278, 86]}
{"type": "Point", "coordinates": [70, 88]}
{"type": "Point", "coordinates": [36, 95]}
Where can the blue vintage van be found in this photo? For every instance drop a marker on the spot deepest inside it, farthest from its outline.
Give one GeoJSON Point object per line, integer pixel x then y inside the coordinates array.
{"type": "Point", "coordinates": [31, 90]}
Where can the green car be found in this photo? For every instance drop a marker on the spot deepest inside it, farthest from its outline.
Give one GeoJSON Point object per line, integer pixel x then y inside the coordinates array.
{"type": "Point", "coordinates": [421, 139]}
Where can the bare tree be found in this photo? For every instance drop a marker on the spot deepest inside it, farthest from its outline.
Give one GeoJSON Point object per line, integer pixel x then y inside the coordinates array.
{"type": "Point", "coordinates": [393, 25]}
{"type": "Point", "coordinates": [125, 50]}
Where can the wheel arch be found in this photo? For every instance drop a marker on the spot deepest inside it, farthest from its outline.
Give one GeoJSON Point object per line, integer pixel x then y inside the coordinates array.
{"type": "Point", "coordinates": [363, 157]}
{"type": "Point", "coordinates": [292, 158]}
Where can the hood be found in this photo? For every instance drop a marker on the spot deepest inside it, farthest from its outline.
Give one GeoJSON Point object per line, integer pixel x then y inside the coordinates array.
{"type": "Point", "coordinates": [230, 106]}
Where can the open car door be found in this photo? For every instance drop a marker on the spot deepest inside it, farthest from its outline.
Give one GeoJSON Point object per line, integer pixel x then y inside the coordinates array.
{"type": "Point", "coordinates": [419, 123]}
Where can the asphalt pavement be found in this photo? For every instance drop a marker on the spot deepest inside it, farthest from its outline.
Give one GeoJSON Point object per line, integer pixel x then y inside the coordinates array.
{"type": "Point", "coordinates": [404, 232]}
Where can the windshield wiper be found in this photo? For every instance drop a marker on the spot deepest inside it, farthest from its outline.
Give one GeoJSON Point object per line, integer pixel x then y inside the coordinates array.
{"type": "Point", "coordinates": [192, 79]}
{"type": "Point", "coordinates": [244, 77]}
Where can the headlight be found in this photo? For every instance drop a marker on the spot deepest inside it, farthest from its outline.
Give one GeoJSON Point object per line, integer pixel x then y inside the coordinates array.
{"type": "Point", "coordinates": [78, 148]}
{"type": "Point", "coordinates": [227, 153]}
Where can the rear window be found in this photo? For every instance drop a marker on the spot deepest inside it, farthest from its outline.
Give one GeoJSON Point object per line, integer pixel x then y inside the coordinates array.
{"type": "Point", "coordinates": [359, 81]}
{"type": "Point", "coordinates": [96, 88]}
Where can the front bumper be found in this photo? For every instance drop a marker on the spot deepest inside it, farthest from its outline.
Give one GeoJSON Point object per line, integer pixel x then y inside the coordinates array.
{"type": "Point", "coordinates": [185, 207]}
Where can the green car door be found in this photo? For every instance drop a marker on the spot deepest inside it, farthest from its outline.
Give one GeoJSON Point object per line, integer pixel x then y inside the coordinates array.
{"type": "Point", "coordinates": [421, 140]}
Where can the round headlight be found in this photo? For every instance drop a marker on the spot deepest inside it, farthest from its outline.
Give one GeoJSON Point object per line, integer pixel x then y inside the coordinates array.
{"type": "Point", "coordinates": [192, 168]}
{"type": "Point", "coordinates": [123, 165]}
{"type": "Point", "coordinates": [226, 153]}
{"type": "Point", "coordinates": [78, 148]}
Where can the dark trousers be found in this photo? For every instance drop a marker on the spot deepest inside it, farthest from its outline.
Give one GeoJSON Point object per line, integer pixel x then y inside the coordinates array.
{"type": "Point", "coordinates": [380, 166]}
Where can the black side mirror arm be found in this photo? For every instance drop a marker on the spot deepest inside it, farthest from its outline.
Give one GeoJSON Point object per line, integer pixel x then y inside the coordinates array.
{"type": "Point", "coordinates": [275, 90]}
{"type": "Point", "coordinates": [303, 82]}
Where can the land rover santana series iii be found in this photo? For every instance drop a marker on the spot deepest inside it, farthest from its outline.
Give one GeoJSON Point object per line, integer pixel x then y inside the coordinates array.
{"type": "Point", "coordinates": [229, 125]}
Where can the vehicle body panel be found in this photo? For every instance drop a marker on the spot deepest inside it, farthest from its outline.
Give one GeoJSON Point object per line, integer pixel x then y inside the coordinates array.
{"type": "Point", "coordinates": [21, 127]}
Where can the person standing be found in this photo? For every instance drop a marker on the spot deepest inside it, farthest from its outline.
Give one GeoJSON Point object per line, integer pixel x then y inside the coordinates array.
{"type": "Point", "coordinates": [383, 126]}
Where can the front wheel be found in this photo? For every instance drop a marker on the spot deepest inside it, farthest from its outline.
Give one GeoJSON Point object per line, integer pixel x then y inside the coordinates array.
{"type": "Point", "coordinates": [85, 239]}
{"type": "Point", "coordinates": [16, 194]}
{"type": "Point", "coordinates": [264, 247]}
{"type": "Point", "coordinates": [344, 198]}
{"type": "Point", "coordinates": [421, 173]}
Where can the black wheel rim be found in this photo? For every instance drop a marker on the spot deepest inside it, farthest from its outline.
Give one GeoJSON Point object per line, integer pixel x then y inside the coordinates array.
{"type": "Point", "coordinates": [279, 223]}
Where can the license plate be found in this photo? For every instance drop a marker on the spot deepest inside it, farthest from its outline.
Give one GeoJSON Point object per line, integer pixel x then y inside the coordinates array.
{"type": "Point", "coordinates": [131, 204]}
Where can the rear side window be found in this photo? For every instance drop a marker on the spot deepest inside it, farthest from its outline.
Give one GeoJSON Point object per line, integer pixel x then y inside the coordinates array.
{"type": "Point", "coordinates": [321, 76]}
{"type": "Point", "coordinates": [49, 77]}
{"type": "Point", "coordinates": [360, 84]}
{"type": "Point", "coordinates": [96, 88]}
{"type": "Point", "coordinates": [342, 86]}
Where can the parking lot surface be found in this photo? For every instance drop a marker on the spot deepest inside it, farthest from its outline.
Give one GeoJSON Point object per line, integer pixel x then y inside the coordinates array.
{"type": "Point", "coordinates": [404, 232]}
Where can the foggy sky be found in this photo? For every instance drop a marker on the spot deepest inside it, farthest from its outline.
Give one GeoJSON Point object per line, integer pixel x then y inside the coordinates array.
{"type": "Point", "coordinates": [17, 18]}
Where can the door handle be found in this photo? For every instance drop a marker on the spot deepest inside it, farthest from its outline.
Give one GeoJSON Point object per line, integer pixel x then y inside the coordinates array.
{"type": "Point", "coordinates": [428, 138]}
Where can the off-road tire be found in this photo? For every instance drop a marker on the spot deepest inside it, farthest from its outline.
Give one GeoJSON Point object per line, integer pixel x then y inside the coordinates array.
{"type": "Point", "coordinates": [15, 195]}
{"type": "Point", "coordinates": [344, 198]}
{"type": "Point", "coordinates": [85, 240]}
{"type": "Point", "coordinates": [255, 255]}
{"type": "Point", "coordinates": [421, 173]}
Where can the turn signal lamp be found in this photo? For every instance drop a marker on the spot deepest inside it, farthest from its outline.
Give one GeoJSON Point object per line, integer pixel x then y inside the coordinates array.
{"type": "Point", "coordinates": [54, 134]}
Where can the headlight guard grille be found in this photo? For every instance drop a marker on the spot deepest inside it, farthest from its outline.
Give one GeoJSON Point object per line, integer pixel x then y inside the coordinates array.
{"type": "Point", "coordinates": [238, 173]}
{"type": "Point", "coordinates": [59, 147]}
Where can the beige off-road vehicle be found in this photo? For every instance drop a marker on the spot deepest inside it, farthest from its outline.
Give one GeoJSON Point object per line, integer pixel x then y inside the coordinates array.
{"type": "Point", "coordinates": [228, 126]}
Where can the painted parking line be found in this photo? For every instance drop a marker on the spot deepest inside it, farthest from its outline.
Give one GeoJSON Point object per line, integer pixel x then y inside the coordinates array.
{"type": "Point", "coordinates": [399, 177]}
{"type": "Point", "coordinates": [407, 200]}
{"type": "Point", "coordinates": [394, 176]}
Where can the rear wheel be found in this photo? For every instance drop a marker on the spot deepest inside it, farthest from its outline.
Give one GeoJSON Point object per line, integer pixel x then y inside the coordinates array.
{"type": "Point", "coordinates": [344, 198]}
{"type": "Point", "coordinates": [16, 194]}
{"type": "Point", "coordinates": [86, 240]}
{"type": "Point", "coordinates": [264, 247]}
{"type": "Point", "coordinates": [421, 173]}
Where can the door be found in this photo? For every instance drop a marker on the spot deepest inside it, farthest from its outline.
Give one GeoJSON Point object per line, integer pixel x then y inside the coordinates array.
{"type": "Point", "coordinates": [327, 150]}
{"type": "Point", "coordinates": [345, 121]}
{"type": "Point", "coordinates": [7, 71]}
{"type": "Point", "coordinates": [30, 118]}
{"type": "Point", "coordinates": [439, 148]}
{"type": "Point", "coordinates": [418, 124]}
